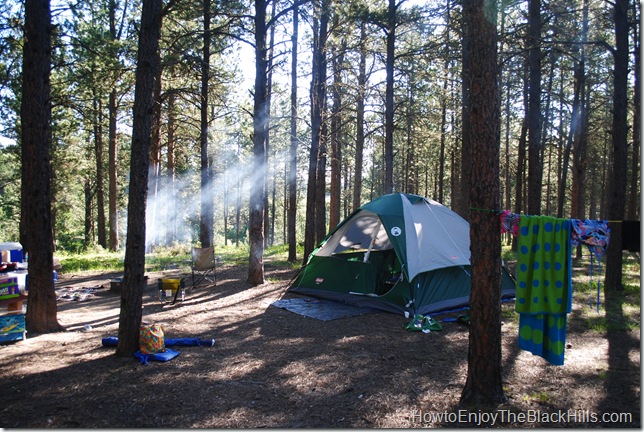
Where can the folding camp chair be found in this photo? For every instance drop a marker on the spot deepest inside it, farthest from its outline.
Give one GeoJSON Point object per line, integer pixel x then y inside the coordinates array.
{"type": "Point", "coordinates": [202, 263]}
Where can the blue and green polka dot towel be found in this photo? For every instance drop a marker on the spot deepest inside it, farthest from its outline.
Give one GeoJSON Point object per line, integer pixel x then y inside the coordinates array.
{"type": "Point", "coordinates": [544, 285]}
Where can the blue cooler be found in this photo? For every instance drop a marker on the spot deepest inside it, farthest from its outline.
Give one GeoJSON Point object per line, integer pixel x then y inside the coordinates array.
{"type": "Point", "coordinates": [14, 249]}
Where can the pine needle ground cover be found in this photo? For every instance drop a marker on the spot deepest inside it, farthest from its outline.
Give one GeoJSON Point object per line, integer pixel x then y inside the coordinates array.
{"type": "Point", "coordinates": [273, 368]}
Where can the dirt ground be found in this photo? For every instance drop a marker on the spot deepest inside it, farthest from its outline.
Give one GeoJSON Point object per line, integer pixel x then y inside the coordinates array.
{"type": "Point", "coordinates": [273, 368]}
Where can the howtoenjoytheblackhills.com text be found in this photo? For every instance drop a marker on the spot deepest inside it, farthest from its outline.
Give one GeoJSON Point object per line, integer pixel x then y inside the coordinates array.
{"type": "Point", "coordinates": [419, 417]}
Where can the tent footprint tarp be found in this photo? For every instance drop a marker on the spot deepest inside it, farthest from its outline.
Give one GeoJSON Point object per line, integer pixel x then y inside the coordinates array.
{"type": "Point", "coordinates": [401, 253]}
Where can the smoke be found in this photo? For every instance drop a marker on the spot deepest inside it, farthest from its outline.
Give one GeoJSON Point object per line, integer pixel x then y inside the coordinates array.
{"type": "Point", "coordinates": [174, 208]}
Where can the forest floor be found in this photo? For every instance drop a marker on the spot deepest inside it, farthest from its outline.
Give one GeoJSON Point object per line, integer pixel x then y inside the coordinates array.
{"type": "Point", "coordinates": [273, 368]}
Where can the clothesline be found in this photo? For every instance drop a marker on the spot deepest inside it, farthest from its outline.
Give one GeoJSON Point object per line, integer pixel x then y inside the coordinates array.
{"type": "Point", "coordinates": [499, 212]}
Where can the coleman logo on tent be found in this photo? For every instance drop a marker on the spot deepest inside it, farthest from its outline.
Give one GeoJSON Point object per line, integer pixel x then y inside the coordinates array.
{"type": "Point", "coordinates": [319, 280]}
{"type": "Point", "coordinates": [396, 231]}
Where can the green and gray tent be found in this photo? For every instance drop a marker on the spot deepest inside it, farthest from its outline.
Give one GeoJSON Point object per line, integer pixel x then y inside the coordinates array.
{"type": "Point", "coordinates": [401, 253]}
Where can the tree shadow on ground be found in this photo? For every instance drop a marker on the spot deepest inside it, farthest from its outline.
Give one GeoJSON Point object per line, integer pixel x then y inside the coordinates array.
{"type": "Point", "coordinates": [620, 406]}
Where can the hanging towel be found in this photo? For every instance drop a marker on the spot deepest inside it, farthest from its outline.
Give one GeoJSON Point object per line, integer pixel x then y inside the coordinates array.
{"type": "Point", "coordinates": [510, 222]}
{"type": "Point", "coordinates": [595, 234]}
{"type": "Point", "coordinates": [544, 285]}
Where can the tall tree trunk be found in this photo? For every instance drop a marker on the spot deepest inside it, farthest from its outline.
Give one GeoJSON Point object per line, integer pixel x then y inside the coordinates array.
{"type": "Point", "coordinates": [360, 110]}
{"type": "Point", "coordinates": [88, 212]}
{"type": "Point", "coordinates": [389, 97]}
{"type": "Point", "coordinates": [269, 222]}
{"type": "Point", "coordinates": [545, 124]}
{"type": "Point", "coordinates": [292, 175]}
{"type": "Point", "coordinates": [618, 180]}
{"type": "Point", "coordinates": [535, 155]}
{"type": "Point", "coordinates": [462, 202]}
{"type": "Point", "coordinates": [320, 183]}
{"type": "Point", "coordinates": [634, 193]}
{"type": "Point", "coordinates": [443, 102]}
{"type": "Point", "coordinates": [36, 142]}
{"type": "Point", "coordinates": [98, 151]}
{"type": "Point", "coordinates": [321, 115]}
{"type": "Point", "coordinates": [580, 141]}
{"type": "Point", "coordinates": [134, 266]}
{"type": "Point", "coordinates": [441, 159]}
{"type": "Point", "coordinates": [260, 130]}
{"type": "Point", "coordinates": [171, 209]}
{"type": "Point", "coordinates": [574, 136]}
{"type": "Point", "coordinates": [336, 131]}
{"type": "Point", "coordinates": [410, 177]}
{"type": "Point", "coordinates": [484, 381]}
{"type": "Point", "coordinates": [238, 203]}
{"type": "Point", "coordinates": [318, 92]}
{"type": "Point", "coordinates": [113, 147]}
{"type": "Point", "coordinates": [206, 221]}
{"type": "Point", "coordinates": [153, 231]}
{"type": "Point", "coordinates": [112, 168]}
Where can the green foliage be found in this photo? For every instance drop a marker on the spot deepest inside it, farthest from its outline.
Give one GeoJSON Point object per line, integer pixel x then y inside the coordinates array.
{"type": "Point", "coordinates": [9, 193]}
{"type": "Point", "coordinates": [94, 261]}
{"type": "Point", "coordinates": [96, 258]}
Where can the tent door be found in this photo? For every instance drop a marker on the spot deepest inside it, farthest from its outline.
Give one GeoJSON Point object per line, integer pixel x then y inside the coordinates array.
{"type": "Point", "coordinates": [389, 271]}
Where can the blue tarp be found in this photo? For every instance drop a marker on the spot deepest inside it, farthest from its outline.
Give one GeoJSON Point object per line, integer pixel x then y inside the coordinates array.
{"type": "Point", "coordinates": [324, 310]}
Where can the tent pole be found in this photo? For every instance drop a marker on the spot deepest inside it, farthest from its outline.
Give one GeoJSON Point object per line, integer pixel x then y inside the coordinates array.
{"type": "Point", "coordinates": [373, 241]}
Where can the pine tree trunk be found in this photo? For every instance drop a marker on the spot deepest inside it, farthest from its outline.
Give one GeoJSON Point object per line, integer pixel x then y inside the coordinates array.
{"type": "Point", "coordinates": [484, 380]}
{"type": "Point", "coordinates": [112, 167]}
{"type": "Point", "coordinates": [36, 140]}
{"type": "Point", "coordinates": [618, 180]}
{"type": "Point", "coordinates": [269, 216]}
{"type": "Point", "coordinates": [360, 110]}
{"type": "Point", "coordinates": [292, 174]}
{"type": "Point", "coordinates": [206, 219]}
{"type": "Point", "coordinates": [112, 148]}
{"type": "Point", "coordinates": [389, 98]}
{"type": "Point", "coordinates": [336, 132]}
{"type": "Point", "coordinates": [134, 267]}
{"type": "Point", "coordinates": [633, 201]}
{"type": "Point", "coordinates": [318, 92]}
{"type": "Point", "coordinates": [322, 120]}
{"type": "Point", "coordinates": [462, 199]}
{"type": "Point", "coordinates": [100, 191]}
{"type": "Point", "coordinates": [260, 129]}
{"type": "Point", "coordinates": [535, 159]}
{"type": "Point", "coordinates": [154, 229]}
{"type": "Point", "coordinates": [171, 215]}
{"type": "Point", "coordinates": [88, 212]}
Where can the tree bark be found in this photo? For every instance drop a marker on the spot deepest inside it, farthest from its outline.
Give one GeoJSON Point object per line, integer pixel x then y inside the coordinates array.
{"type": "Point", "coordinates": [292, 174]}
{"type": "Point", "coordinates": [153, 235]}
{"type": "Point", "coordinates": [113, 148]}
{"type": "Point", "coordinates": [484, 380]}
{"type": "Point", "coordinates": [260, 129]}
{"type": "Point", "coordinates": [134, 267]}
{"type": "Point", "coordinates": [112, 167]}
{"type": "Point", "coordinates": [171, 210]}
{"type": "Point", "coordinates": [318, 92]}
{"type": "Point", "coordinates": [633, 201]}
{"type": "Point", "coordinates": [535, 160]}
{"type": "Point", "coordinates": [580, 142]}
{"type": "Point", "coordinates": [206, 220]}
{"type": "Point", "coordinates": [389, 97]}
{"type": "Point", "coordinates": [618, 178]}
{"type": "Point", "coordinates": [335, 200]}
{"type": "Point", "coordinates": [360, 110]}
{"type": "Point", "coordinates": [322, 120]}
{"type": "Point", "coordinates": [462, 200]}
{"type": "Point", "coordinates": [98, 151]}
{"type": "Point", "coordinates": [36, 141]}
